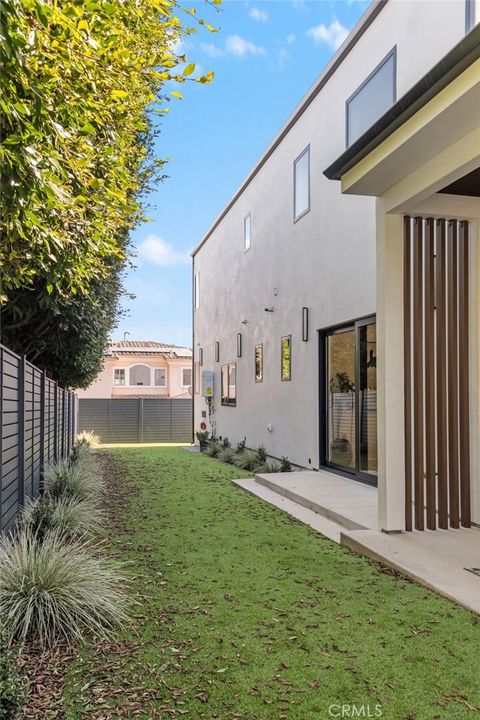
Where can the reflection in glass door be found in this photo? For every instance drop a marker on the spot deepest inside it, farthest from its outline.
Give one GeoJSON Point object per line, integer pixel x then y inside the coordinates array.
{"type": "Point", "coordinates": [351, 399]}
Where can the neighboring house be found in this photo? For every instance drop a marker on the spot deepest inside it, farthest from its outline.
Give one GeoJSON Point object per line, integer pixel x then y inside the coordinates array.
{"type": "Point", "coordinates": [137, 368]}
{"type": "Point", "coordinates": [341, 320]}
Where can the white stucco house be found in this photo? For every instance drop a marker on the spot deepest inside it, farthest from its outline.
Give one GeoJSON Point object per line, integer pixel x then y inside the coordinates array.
{"type": "Point", "coordinates": [336, 297]}
{"type": "Point", "coordinates": [142, 369]}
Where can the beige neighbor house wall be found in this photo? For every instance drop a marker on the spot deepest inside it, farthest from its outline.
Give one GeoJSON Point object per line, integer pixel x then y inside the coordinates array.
{"type": "Point", "coordinates": [103, 386]}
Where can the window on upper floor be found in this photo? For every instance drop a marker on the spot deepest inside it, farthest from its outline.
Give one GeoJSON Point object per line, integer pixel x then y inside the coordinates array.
{"type": "Point", "coordinates": [472, 14]}
{"type": "Point", "coordinates": [372, 99]}
{"type": "Point", "coordinates": [196, 291]}
{"type": "Point", "coordinates": [119, 376]}
{"type": "Point", "coordinates": [186, 377]}
{"type": "Point", "coordinates": [160, 377]}
{"type": "Point", "coordinates": [247, 232]}
{"type": "Point", "coordinates": [229, 384]}
{"type": "Point", "coordinates": [301, 184]}
{"type": "Point", "coordinates": [140, 375]}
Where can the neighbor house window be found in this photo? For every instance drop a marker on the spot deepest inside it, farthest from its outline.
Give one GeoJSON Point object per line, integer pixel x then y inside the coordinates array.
{"type": "Point", "coordinates": [372, 99]}
{"type": "Point", "coordinates": [286, 357]}
{"type": "Point", "coordinates": [259, 363]}
{"type": "Point", "coordinates": [160, 378]}
{"type": "Point", "coordinates": [301, 184]}
{"type": "Point", "coordinates": [140, 375]}
{"type": "Point", "coordinates": [247, 231]}
{"type": "Point", "coordinates": [229, 384]}
{"type": "Point", "coordinates": [119, 376]}
{"type": "Point", "coordinates": [186, 377]}
{"type": "Point", "coordinates": [196, 290]}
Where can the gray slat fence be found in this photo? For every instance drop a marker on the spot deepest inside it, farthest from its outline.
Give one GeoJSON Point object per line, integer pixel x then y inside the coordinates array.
{"type": "Point", "coordinates": [137, 420]}
{"type": "Point", "coordinates": [38, 426]}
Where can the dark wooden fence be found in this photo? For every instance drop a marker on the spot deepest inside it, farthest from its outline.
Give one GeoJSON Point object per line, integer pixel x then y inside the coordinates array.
{"type": "Point", "coordinates": [137, 420]}
{"type": "Point", "coordinates": [38, 426]}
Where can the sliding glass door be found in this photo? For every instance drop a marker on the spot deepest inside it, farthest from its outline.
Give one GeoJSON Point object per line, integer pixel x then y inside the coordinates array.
{"type": "Point", "coordinates": [350, 397]}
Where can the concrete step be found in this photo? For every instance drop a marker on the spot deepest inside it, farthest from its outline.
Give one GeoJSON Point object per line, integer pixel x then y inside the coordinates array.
{"type": "Point", "coordinates": [319, 523]}
{"type": "Point", "coordinates": [337, 516]}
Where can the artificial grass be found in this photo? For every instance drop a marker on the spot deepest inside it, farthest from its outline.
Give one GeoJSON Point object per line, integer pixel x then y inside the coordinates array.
{"type": "Point", "coordinates": [245, 613]}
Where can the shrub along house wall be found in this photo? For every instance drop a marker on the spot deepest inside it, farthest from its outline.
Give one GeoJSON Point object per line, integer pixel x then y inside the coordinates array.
{"type": "Point", "coordinates": [38, 426]}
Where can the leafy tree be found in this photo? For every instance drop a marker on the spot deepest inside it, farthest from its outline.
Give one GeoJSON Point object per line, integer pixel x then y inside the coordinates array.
{"type": "Point", "coordinates": [83, 82]}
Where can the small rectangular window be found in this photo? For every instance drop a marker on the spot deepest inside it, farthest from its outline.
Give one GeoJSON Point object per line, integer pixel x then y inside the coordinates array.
{"type": "Point", "coordinates": [196, 290]}
{"type": "Point", "coordinates": [186, 377]}
{"type": "Point", "coordinates": [259, 363]}
{"type": "Point", "coordinates": [229, 384]}
{"type": "Point", "coordinates": [301, 184]}
{"type": "Point", "coordinates": [217, 351]}
{"type": "Point", "coordinates": [247, 232]}
{"type": "Point", "coordinates": [239, 344]}
{"type": "Point", "coordinates": [286, 357]}
{"type": "Point", "coordinates": [119, 376]}
{"type": "Point", "coordinates": [372, 99]}
{"type": "Point", "coordinates": [160, 378]}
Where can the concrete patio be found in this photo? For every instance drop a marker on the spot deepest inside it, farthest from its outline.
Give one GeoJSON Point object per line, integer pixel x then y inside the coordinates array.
{"type": "Point", "coordinates": [345, 511]}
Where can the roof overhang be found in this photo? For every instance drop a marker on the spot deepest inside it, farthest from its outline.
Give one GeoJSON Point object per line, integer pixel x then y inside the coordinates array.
{"type": "Point", "coordinates": [441, 111]}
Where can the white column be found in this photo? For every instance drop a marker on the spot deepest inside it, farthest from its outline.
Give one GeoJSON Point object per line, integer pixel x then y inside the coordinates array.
{"type": "Point", "coordinates": [390, 420]}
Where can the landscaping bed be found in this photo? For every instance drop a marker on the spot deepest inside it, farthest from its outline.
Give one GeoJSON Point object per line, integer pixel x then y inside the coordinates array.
{"type": "Point", "coordinates": [244, 613]}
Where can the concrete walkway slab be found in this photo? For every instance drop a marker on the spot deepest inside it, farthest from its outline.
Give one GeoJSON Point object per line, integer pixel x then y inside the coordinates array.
{"type": "Point", "coordinates": [351, 504]}
{"type": "Point", "coordinates": [434, 558]}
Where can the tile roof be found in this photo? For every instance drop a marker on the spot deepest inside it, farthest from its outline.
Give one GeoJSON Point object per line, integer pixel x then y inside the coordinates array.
{"type": "Point", "coordinates": [147, 347]}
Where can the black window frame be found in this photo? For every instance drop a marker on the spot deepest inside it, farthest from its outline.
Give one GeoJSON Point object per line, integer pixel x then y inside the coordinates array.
{"type": "Point", "coordinates": [391, 53]}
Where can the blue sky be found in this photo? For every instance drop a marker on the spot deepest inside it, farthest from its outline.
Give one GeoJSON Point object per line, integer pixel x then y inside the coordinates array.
{"type": "Point", "coordinates": [265, 57]}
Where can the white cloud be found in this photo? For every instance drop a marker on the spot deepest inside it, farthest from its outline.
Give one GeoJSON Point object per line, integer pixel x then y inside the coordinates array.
{"type": "Point", "coordinates": [332, 35]}
{"type": "Point", "coordinates": [234, 45]}
{"type": "Point", "coordinates": [160, 252]}
{"type": "Point", "coordinates": [291, 38]}
{"type": "Point", "coordinates": [259, 15]}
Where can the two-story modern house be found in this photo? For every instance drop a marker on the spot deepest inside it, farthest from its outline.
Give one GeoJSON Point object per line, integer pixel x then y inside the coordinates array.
{"type": "Point", "coordinates": [142, 368]}
{"type": "Point", "coordinates": [336, 297]}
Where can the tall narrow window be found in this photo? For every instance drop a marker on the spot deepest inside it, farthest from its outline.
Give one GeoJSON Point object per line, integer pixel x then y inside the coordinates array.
{"type": "Point", "coordinates": [186, 377]}
{"type": "Point", "coordinates": [239, 344]}
{"type": "Point", "coordinates": [217, 351]}
{"type": "Point", "coordinates": [286, 357]}
{"type": "Point", "coordinates": [301, 184]}
{"type": "Point", "coordinates": [160, 377]}
{"type": "Point", "coordinates": [229, 384]}
{"type": "Point", "coordinates": [247, 232]}
{"type": "Point", "coordinates": [372, 99]}
{"type": "Point", "coordinates": [196, 290]}
{"type": "Point", "coordinates": [119, 376]}
{"type": "Point", "coordinates": [259, 363]}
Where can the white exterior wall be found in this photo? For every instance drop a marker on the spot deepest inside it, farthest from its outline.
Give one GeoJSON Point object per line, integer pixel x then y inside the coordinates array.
{"type": "Point", "coordinates": [325, 261]}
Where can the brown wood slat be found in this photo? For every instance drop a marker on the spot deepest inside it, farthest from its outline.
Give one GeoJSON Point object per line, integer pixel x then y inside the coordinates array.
{"type": "Point", "coordinates": [407, 371]}
{"type": "Point", "coordinates": [464, 368]}
{"type": "Point", "coordinates": [429, 325]}
{"type": "Point", "coordinates": [442, 437]}
{"type": "Point", "coordinates": [418, 428]}
{"type": "Point", "coordinates": [452, 307]}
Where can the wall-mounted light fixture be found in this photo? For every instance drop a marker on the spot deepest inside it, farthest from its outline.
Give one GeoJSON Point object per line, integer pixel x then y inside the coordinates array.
{"type": "Point", "coordinates": [217, 351]}
{"type": "Point", "coordinates": [269, 309]}
{"type": "Point", "coordinates": [200, 356]}
{"type": "Point", "coordinates": [305, 324]}
{"type": "Point", "coordinates": [244, 322]}
{"type": "Point", "coordinates": [239, 344]}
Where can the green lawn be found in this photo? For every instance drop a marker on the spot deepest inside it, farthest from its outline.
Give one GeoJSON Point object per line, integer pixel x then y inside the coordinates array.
{"type": "Point", "coordinates": [245, 613]}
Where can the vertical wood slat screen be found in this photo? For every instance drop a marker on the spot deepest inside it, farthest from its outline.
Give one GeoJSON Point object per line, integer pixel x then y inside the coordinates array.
{"type": "Point", "coordinates": [436, 373]}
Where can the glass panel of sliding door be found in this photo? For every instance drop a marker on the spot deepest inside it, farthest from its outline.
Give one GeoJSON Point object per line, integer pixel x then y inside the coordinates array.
{"type": "Point", "coordinates": [341, 441]}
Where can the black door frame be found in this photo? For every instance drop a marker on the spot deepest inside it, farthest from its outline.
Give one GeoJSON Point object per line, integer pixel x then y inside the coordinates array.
{"type": "Point", "coordinates": [325, 464]}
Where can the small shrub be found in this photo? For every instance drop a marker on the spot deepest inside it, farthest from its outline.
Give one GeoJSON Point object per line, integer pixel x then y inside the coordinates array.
{"type": "Point", "coordinates": [68, 516]}
{"type": "Point", "coordinates": [213, 448]}
{"type": "Point", "coordinates": [80, 480]}
{"type": "Point", "coordinates": [202, 437]}
{"type": "Point", "coordinates": [247, 460]}
{"type": "Point", "coordinates": [262, 454]}
{"type": "Point", "coordinates": [285, 465]}
{"type": "Point", "coordinates": [227, 455]}
{"type": "Point", "coordinates": [11, 686]}
{"type": "Point", "coordinates": [54, 590]}
{"type": "Point", "coordinates": [226, 443]}
{"type": "Point", "coordinates": [241, 446]}
{"type": "Point", "coordinates": [269, 467]}
{"type": "Point", "coordinates": [90, 439]}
